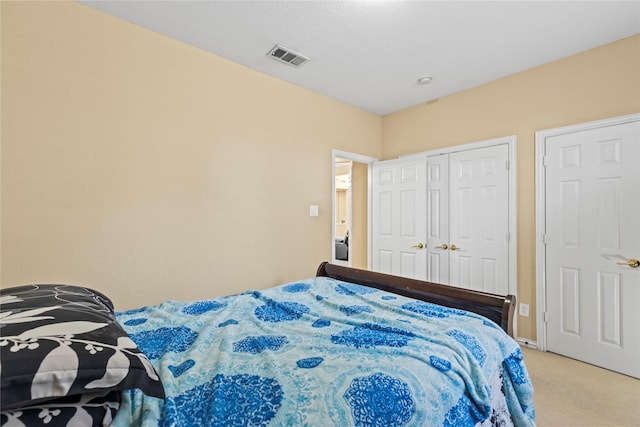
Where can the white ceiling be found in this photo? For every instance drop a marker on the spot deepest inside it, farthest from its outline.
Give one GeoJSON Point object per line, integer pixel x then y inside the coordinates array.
{"type": "Point", "coordinates": [370, 53]}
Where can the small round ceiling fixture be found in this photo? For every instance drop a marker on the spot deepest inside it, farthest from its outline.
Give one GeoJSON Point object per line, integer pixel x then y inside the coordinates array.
{"type": "Point", "coordinates": [424, 80]}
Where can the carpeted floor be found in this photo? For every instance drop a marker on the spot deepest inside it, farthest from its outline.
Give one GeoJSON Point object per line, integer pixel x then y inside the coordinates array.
{"type": "Point", "coordinates": [570, 393]}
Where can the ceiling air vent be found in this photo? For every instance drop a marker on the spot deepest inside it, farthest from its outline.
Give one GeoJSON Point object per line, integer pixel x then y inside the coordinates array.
{"type": "Point", "coordinates": [287, 56]}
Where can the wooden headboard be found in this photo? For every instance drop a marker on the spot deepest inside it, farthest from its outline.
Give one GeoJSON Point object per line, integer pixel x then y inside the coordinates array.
{"type": "Point", "coordinates": [500, 309]}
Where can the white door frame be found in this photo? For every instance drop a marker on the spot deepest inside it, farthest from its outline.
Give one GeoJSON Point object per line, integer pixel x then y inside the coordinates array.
{"type": "Point", "coordinates": [513, 230]}
{"type": "Point", "coordinates": [358, 158]}
{"type": "Point", "coordinates": [541, 285]}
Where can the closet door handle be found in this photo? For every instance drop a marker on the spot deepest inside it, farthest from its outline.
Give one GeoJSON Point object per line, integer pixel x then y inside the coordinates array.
{"type": "Point", "coordinates": [633, 263]}
{"type": "Point", "coordinates": [454, 248]}
{"type": "Point", "coordinates": [443, 246]}
{"type": "Point", "coordinates": [419, 246]}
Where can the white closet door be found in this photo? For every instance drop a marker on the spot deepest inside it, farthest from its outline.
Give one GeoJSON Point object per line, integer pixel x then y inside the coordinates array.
{"type": "Point", "coordinates": [592, 235]}
{"type": "Point", "coordinates": [422, 206]}
{"type": "Point", "coordinates": [398, 218]}
{"type": "Point", "coordinates": [438, 218]}
{"type": "Point", "coordinates": [479, 219]}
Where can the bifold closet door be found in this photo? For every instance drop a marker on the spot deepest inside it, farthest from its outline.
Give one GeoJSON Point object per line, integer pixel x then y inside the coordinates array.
{"type": "Point", "coordinates": [398, 218]}
{"type": "Point", "coordinates": [438, 218]}
{"type": "Point", "coordinates": [468, 218]}
{"type": "Point", "coordinates": [479, 219]}
{"type": "Point", "coordinates": [444, 218]}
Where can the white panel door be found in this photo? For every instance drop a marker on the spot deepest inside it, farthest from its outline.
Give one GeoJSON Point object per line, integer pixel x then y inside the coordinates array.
{"type": "Point", "coordinates": [398, 218]}
{"type": "Point", "coordinates": [422, 206]}
{"type": "Point", "coordinates": [438, 218]}
{"type": "Point", "coordinates": [479, 219]}
{"type": "Point", "coordinates": [592, 232]}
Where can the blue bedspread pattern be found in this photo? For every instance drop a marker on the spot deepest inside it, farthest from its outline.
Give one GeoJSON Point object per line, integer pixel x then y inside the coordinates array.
{"type": "Point", "coordinates": [322, 351]}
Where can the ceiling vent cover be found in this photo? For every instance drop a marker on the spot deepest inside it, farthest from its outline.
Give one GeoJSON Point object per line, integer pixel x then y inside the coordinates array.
{"type": "Point", "coordinates": [287, 56]}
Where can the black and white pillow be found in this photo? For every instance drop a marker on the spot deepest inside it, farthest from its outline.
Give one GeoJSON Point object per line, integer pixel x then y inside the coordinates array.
{"type": "Point", "coordinates": [61, 340]}
{"type": "Point", "coordinates": [81, 410]}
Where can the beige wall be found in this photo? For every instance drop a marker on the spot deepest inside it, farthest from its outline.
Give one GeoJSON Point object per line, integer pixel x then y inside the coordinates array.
{"type": "Point", "coordinates": [358, 239]}
{"type": "Point", "coordinates": [152, 170]}
{"type": "Point", "coordinates": [597, 84]}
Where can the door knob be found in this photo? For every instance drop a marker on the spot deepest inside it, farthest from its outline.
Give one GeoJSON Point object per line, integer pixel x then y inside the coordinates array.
{"type": "Point", "coordinates": [633, 263]}
{"type": "Point", "coordinates": [443, 246]}
{"type": "Point", "coordinates": [454, 248]}
{"type": "Point", "coordinates": [419, 246]}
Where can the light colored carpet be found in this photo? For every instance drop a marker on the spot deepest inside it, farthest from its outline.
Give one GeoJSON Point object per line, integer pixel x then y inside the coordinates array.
{"type": "Point", "coordinates": [570, 393]}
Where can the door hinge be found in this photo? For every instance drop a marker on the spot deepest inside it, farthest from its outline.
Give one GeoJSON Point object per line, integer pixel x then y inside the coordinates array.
{"type": "Point", "coordinates": [545, 319]}
{"type": "Point", "coordinates": [545, 240]}
{"type": "Point", "coordinates": [508, 165]}
{"type": "Point", "coordinates": [544, 161]}
{"type": "Point", "coordinates": [508, 237]}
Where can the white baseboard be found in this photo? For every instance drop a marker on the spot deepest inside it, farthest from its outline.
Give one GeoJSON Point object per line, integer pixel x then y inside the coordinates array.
{"type": "Point", "coordinates": [527, 343]}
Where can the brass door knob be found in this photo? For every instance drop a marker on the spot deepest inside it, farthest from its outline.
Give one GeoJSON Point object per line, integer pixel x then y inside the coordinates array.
{"type": "Point", "coordinates": [633, 263]}
{"type": "Point", "coordinates": [443, 246]}
{"type": "Point", "coordinates": [419, 246]}
{"type": "Point", "coordinates": [454, 248]}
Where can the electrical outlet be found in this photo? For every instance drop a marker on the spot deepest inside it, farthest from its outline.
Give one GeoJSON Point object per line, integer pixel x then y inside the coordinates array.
{"type": "Point", "coordinates": [524, 310]}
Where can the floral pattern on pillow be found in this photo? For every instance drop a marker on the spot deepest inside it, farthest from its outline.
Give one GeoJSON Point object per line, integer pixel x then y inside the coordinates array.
{"type": "Point", "coordinates": [62, 340]}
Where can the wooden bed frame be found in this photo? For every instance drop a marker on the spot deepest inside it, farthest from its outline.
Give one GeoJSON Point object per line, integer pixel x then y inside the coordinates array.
{"type": "Point", "coordinates": [499, 309]}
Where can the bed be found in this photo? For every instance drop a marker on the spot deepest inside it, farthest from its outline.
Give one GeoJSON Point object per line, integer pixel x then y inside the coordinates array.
{"type": "Point", "coordinates": [345, 347]}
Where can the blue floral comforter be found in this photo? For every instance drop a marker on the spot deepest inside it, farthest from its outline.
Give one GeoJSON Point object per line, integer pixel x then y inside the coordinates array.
{"type": "Point", "coordinates": [321, 352]}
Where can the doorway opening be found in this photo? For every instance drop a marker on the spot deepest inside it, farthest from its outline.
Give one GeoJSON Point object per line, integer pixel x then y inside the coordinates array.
{"type": "Point", "coordinates": [351, 202]}
{"type": "Point", "coordinates": [343, 210]}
